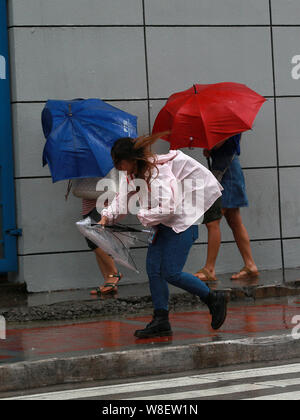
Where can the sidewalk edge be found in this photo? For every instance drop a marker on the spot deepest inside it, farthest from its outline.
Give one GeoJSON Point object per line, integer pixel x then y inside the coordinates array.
{"type": "Point", "coordinates": [146, 362]}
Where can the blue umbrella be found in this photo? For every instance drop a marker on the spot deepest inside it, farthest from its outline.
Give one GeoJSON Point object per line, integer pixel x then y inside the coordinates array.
{"type": "Point", "coordinates": [80, 134]}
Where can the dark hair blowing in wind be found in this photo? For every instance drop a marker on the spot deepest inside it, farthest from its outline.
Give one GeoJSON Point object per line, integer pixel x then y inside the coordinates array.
{"type": "Point", "coordinates": [138, 150]}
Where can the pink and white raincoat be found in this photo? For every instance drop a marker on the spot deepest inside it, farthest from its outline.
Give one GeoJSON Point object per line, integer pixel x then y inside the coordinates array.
{"type": "Point", "coordinates": [177, 196]}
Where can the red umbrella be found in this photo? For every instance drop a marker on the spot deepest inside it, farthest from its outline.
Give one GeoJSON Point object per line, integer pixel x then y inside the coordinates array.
{"type": "Point", "coordinates": [205, 115]}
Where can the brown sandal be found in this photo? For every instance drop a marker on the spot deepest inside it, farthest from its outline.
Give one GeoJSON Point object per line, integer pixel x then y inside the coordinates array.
{"type": "Point", "coordinates": [113, 286]}
{"type": "Point", "coordinates": [249, 274]}
{"type": "Point", "coordinates": [206, 273]}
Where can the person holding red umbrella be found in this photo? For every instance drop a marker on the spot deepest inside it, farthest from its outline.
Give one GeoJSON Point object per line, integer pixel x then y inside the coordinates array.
{"type": "Point", "coordinates": [227, 169]}
{"type": "Point", "coordinates": [213, 117]}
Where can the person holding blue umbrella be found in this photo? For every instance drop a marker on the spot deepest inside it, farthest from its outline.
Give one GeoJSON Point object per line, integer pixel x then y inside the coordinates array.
{"type": "Point", "coordinates": [80, 134]}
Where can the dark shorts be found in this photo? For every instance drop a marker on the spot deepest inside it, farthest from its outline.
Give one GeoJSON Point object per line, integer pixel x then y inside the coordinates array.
{"type": "Point", "coordinates": [96, 217]}
{"type": "Point", "coordinates": [214, 212]}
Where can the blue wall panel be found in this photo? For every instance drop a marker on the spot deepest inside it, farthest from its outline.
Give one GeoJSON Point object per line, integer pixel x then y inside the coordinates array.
{"type": "Point", "coordinates": [8, 234]}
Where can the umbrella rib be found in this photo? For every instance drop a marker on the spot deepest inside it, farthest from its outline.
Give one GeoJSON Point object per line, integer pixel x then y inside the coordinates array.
{"type": "Point", "coordinates": [237, 116]}
{"type": "Point", "coordinates": [102, 127]}
{"type": "Point", "coordinates": [200, 111]}
{"type": "Point", "coordinates": [130, 229]}
{"type": "Point", "coordinates": [116, 237]}
{"type": "Point", "coordinates": [199, 105]}
{"type": "Point", "coordinates": [126, 248]}
{"type": "Point", "coordinates": [74, 144]}
{"type": "Point", "coordinates": [105, 146]}
{"type": "Point", "coordinates": [128, 236]}
{"type": "Point", "coordinates": [95, 126]}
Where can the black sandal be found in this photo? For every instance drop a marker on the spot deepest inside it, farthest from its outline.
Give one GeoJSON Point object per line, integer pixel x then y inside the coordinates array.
{"type": "Point", "coordinates": [113, 287]}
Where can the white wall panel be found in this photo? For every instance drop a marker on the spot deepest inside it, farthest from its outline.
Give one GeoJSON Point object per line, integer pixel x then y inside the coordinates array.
{"type": "Point", "coordinates": [292, 254]}
{"type": "Point", "coordinates": [59, 63]}
{"type": "Point", "coordinates": [179, 57]}
{"type": "Point", "coordinates": [285, 12]}
{"type": "Point", "coordinates": [75, 12]}
{"type": "Point", "coordinates": [47, 220]}
{"type": "Point", "coordinates": [288, 131]}
{"type": "Point", "coordinates": [43, 273]}
{"type": "Point", "coordinates": [290, 201]}
{"type": "Point", "coordinates": [207, 12]}
{"type": "Point", "coordinates": [287, 60]}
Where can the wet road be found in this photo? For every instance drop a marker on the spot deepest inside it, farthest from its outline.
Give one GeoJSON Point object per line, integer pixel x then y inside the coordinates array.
{"type": "Point", "coordinates": [246, 382]}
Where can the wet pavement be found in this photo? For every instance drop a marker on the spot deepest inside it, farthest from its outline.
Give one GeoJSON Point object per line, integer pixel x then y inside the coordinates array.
{"type": "Point", "coordinates": [37, 341]}
{"type": "Point", "coordinates": [134, 299]}
{"type": "Point", "coordinates": [15, 296]}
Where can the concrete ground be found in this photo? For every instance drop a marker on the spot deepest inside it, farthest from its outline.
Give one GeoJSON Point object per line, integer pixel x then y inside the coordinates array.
{"type": "Point", "coordinates": [71, 337]}
{"type": "Point", "coordinates": [39, 354]}
{"type": "Point", "coordinates": [18, 306]}
{"type": "Point", "coordinates": [41, 340]}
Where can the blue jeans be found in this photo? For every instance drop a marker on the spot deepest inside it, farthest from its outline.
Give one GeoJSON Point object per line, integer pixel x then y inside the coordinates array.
{"type": "Point", "coordinates": [165, 261]}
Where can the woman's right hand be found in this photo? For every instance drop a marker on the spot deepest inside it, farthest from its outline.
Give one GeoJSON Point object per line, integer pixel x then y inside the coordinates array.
{"type": "Point", "coordinates": [206, 153]}
{"type": "Point", "coordinates": [103, 221]}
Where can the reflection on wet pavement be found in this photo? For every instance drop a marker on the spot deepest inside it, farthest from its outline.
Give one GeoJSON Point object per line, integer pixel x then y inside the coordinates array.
{"type": "Point", "coordinates": [247, 320]}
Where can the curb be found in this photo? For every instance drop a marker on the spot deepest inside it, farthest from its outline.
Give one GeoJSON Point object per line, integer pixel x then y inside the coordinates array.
{"type": "Point", "coordinates": [265, 292]}
{"type": "Point", "coordinates": [146, 362]}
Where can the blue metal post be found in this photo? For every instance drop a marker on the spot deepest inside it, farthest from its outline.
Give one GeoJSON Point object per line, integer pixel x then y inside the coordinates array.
{"type": "Point", "coordinates": [7, 200]}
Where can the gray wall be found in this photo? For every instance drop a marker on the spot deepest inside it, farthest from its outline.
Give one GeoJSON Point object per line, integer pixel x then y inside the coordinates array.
{"type": "Point", "coordinates": [134, 54]}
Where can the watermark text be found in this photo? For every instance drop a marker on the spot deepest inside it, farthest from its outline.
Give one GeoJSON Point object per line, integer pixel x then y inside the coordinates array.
{"type": "Point", "coordinates": [2, 328]}
{"type": "Point", "coordinates": [296, 68]}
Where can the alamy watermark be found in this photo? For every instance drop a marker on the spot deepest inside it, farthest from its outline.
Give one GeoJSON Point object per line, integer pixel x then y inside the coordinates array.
{"type": "Point", "coordinates": [2, 67]}
{"type": "Point", "coordinates": [2, 328]}
{"type": "Point", "coordinates": [176, 197]}
{"type": "Point", "coordinates": [296, 69]}
{"type": "Point", "coordinates": [296, 329]}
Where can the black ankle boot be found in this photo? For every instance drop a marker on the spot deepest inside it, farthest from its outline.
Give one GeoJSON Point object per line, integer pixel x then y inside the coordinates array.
{"type": "Point", "coordinates": [217, 304]}
{"type": "Point", "coordinates": [158, 327]}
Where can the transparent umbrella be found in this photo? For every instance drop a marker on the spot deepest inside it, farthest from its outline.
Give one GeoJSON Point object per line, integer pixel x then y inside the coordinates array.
{"type": "Point", "coordinates": [114, 240]}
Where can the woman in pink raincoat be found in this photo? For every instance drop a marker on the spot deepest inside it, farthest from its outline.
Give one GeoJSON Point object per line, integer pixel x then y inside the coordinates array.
{"type": "Point", "coordinates": [178, 192]}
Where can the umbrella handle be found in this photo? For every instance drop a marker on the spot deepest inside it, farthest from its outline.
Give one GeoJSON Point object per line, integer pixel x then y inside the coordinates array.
{"type": "Point", "coordinates": [208, 163]}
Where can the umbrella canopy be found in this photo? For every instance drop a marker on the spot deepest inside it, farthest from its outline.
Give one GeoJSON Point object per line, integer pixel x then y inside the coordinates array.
{"type": "Point", "coordinates": [205, 115]}
{"type": "Point", "coordinates": [115, 243]}
{"type": "Point", "coordinates": [80, 134]}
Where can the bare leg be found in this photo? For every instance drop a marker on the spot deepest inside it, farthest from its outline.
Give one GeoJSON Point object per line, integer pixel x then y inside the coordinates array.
{"type": "Point", "coordinates": [213, 247]}
{"type": "Point", "coordinates": [107, 267]}
{"type": "Point", "coordinates": [234, 220]}
{"type": "Point", "coordinates": [105, 262]}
